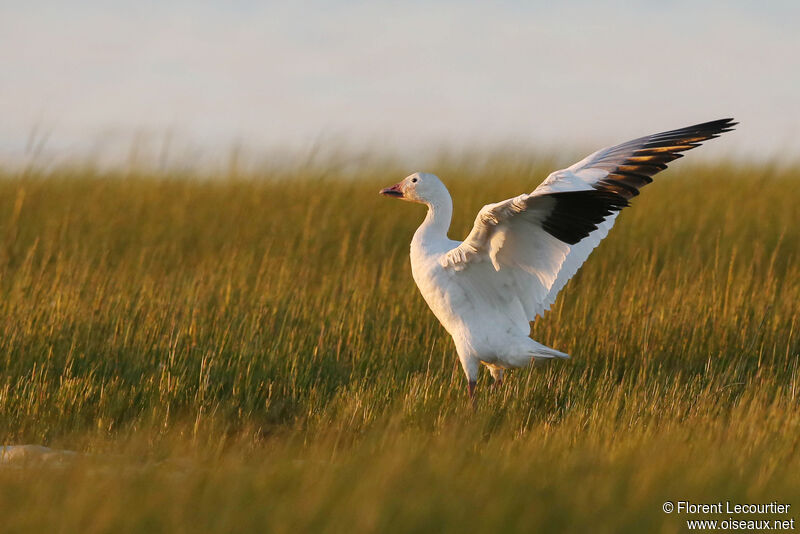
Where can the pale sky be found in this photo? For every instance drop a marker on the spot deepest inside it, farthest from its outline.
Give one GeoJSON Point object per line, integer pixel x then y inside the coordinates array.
{"type": "Point", "coordinates": [402, 77]}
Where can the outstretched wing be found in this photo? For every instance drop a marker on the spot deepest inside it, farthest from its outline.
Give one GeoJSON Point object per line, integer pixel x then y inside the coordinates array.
{"type": "Point", "coordinates": [540, 240]}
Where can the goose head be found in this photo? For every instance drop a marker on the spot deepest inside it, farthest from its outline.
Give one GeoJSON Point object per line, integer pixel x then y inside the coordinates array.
{"type": "Point", "coordinates": [421, 187]}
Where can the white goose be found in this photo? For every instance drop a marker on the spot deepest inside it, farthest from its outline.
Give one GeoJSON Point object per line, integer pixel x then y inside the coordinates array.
{"type": "Point", "coordinates": [521, 252]}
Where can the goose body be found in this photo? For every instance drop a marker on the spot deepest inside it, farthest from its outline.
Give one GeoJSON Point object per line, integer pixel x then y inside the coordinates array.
{"type": "Point", "coordinates": [521, 252]}
{"type": "Point", "coordinates": [478, 307]}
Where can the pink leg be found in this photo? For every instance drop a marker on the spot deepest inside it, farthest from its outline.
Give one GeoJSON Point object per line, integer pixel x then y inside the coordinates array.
{"type": "Point", "coordinates": [471, 391]}
{"type": "Point", "coordinates": [497, 376]}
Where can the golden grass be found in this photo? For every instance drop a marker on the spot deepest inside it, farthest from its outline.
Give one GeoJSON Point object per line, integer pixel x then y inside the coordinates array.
{"type": "Point", "coordinates": [251, 354]}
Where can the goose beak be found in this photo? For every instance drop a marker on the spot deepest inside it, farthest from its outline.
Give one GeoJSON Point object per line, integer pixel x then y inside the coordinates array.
{"type": "Point", "coordinates": [394, 191]}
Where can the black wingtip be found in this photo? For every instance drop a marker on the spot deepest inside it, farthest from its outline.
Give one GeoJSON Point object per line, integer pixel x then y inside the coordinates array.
{"type": "Point", "coordinates": [655, 151]}
{"type": "Point", "coordinates": [576, 214]}
{"type": "Point", "coordinates": [714, 127]}
{"type": "Point", "coordinates": [717, 126]}
{"type": "Point", "coordinates": [727, 124]}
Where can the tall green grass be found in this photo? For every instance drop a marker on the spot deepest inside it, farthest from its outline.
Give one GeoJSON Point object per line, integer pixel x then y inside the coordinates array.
{"type": "Point", "coordinates": [249, 353]}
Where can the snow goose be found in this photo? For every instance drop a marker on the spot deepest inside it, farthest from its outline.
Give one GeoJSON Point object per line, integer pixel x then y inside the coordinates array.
{"type": "Point", "coordinates": [522, 251]}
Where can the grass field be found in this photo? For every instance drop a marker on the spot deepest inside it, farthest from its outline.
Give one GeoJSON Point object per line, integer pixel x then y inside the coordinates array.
{"type": "Point", "coordinates": [250, 354]}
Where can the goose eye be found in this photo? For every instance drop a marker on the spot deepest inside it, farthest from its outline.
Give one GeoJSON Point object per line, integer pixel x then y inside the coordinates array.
{"type": "Point", "coordinates": [414, 180]}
